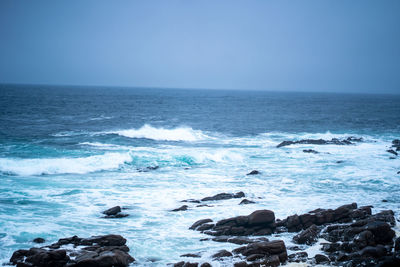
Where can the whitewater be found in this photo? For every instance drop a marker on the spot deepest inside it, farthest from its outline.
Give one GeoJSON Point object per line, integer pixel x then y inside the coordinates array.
{"type": "Point", "coordinates": [58, 173]}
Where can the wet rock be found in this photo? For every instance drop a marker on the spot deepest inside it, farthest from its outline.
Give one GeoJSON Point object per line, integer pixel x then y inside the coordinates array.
{"type": "Point", "coordinates": [149, 168]}
{"type": "Point", "coordinates": [298, 257]}
{"type": "Point", "coordinates": [38, 240]}
{"type": "Point", "coordinates": [333, 141]}
{"type": "Point", "coordinates": [223, 196]}
{"type": "Point", "coordinates": [260, 222]}
{"type": "Point", "coordinates": [270, 253]}
{"type": "Point", "coordinates": [221, 254]}
{"type": "Point", "coordinates": [186, 264]}
{"type": "Point", "coordinates": [310, 151]}
{"type": "Point", "coordinates": [339, 161]}
{"type": "Point", "coordinates": [191, 255]}
{"type": "Point", "coordinates": [200, 222]}
{"type": "Point", "coordinates": [392, 151]}
{"type": "Point", "coordinates": [107, 251]}
{"type": "Point", "coordinates": [319, 258]}
{"type": "Point", "coordinates": [246, 201]}
{"type": "Point", "coordinates": [205, 264]}
{"type": "Point", "coordinates": [114, 212]}
{"type": "Point", "coordinates": [308, 236]}
{"type": "Point", "coordinates": [191, 200]}
{"type": "Point", "coordinates": [181, 208]}
{"type": "Point", "coordinates": [253, 172]}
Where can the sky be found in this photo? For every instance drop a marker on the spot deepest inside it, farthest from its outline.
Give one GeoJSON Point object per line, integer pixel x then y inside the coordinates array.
{"type": "Point", "coordinates": [313, 45]}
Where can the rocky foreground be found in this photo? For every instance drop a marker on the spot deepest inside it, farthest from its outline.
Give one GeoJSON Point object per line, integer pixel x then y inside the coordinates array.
{"type": "Point", "coordinates": [352, 236]}
{"type": "Point", "coordinates": [107, 250]}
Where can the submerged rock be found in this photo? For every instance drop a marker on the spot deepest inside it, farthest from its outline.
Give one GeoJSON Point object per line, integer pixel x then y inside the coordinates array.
{"type": "Point", "coordinates": [246, 201]}
{"type": "Point", "coordinates": [392, 151]}
{"type": "Point", "coordinates": [38, 240]}
{"type": "Point", "coordinates": [181, 208]}
{"type": "Point", "coordinates": [105, 251]}
{"type": "Point", "coordinates": [333, 141]}
{"type": "Point", "coordinates": [310, 151]}
{"type": "Point", "coordinates": [254, 172]}
{"type": "Point", "coordinates": [223, 196]}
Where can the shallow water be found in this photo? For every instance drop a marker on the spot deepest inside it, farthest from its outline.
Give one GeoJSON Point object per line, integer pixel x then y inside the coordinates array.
{"type": "Point", "coordinates": [67, 154]}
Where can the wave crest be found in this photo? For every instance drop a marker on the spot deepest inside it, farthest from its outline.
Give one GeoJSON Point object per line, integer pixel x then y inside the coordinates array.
{"type": "Point", "coordinates": [163, 134]}
{"type": "Point", "coordinates": [40, 166]}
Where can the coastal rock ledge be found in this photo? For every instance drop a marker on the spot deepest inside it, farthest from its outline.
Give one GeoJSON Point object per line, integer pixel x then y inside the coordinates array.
{"type": "Point", "coordinates": [102, 251]}
{"type": "Point", "coordinates": [351, 236]}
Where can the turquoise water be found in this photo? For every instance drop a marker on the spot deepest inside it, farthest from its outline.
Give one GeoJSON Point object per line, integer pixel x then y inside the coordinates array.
{"type": "Point", "coordinates": [68, 153]}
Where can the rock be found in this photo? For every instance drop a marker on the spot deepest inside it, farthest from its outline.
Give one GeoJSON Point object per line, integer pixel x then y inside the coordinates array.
{"type": "Point", "coordinates": [261, 222]}
{"type": "Point", "coordinates": [181, 208]}
{"type": "Point", "coordinates": [310, 151]}
{"type": "Point", "coordinates": [200, 222]}
{"type": "Point", "coordinates": [186, 264]}
{"type": "Point", "coordinates": [38, 240]}
{"type": "Point", "coordinates": [392, 151]}
{"type": "Point", "coordinates": [333, 141]}
{"type": "Point", "coordinates": [205, 264]}
{"type": "Point", "coordinates": [253, 172]}
{"type": "Point", "coordinates": [261, 217]}
{"type": "Point", "coordinates": [112, 211]}
{"type": "Point", "coordinates": [105, 251]}
{"type": "Point", "coordinates": [221, 254]}
{"type": "Point", "coordinates": [271, 253]}
{"type": "Point", "coordinates": [339, 161]}
{"type": "Point", "coordinates": [384, 200]}
{"type": "Point", "coordinates": [191, 200]}
{"type": "Point", "coordinates": [147, 169]}
{"type": "Point", "coordinates": [223, 196]}
{"type": "Point", "coordinates": [298, 257]}
{"type": "Point", "coordinates": [246, 201]}
{"type": "Point", "coordinates": [191, 255]}
{"type": "Point", "coordinates": [308, 236]}
{"type": "Point", "coordinates": [319, 258]}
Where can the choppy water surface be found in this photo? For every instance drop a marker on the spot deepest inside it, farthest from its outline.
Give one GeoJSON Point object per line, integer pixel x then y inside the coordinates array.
{"type": "Point", "coordinates": [67, 154]}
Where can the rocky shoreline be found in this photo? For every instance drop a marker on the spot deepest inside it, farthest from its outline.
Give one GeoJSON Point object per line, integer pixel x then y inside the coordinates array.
{"type": "Point", "coordinates": [349, 236]}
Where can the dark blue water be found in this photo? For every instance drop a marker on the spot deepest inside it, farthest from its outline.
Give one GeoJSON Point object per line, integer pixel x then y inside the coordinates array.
{"type": "Point", "coordinates": [67, 153]}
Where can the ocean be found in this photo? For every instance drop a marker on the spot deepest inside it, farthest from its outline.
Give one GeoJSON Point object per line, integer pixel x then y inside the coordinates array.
{"type": "Point", "coordinates": [69, 153]}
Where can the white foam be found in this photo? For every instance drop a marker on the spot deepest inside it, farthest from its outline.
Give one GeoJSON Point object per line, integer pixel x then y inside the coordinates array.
{"type": "Point", "coordinates": [175, 134]}
{"type": "Point", "coordinates": [82, 165]}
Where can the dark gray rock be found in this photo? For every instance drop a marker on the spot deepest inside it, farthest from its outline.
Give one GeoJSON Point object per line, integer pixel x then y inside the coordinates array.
{"type": "Point", "coordinates": [221, 254]}
{"type": "Point", "coordinates": [38, 240]}
{"type": "Point", "coordinates": [333, 141]}
{"type": "Point", "coordinates": [310, 151]}
{"type": "Point", "coordinates": [246, 201]}
{"type": "Point", "coordinates": [200, 222]}
{"type": "Point", "coordinates": [319, 258]}
{"type": "Point", "coordinates": [253, 172]}
{"type": "Point", "coordinates": [308, 236]}
{"type": "Point", "coordinates": [104, 251]}
{"type": "Point", "coordinates": [223, 196]}
{"type": "Point", "coordinates": [181, 208]}
{"type": "Point", "coordinates": [112, 211]}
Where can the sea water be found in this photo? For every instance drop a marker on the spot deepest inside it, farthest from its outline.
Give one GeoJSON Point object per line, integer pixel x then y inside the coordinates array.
{"type": "Point", "coordinates": [69, 153]}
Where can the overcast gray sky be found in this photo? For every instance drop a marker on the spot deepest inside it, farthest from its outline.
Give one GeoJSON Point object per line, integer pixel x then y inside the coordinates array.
{"type": "Point", "coordinates": [314, 45]}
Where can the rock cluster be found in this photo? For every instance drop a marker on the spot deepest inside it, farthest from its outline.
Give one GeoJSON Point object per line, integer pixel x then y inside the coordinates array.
{"type": "Point", "coordinates": [104, 251]}
{"type": "Point", "coordinates": [334, 141]}
{"type": "Point", "coordinates": [354, 237]}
